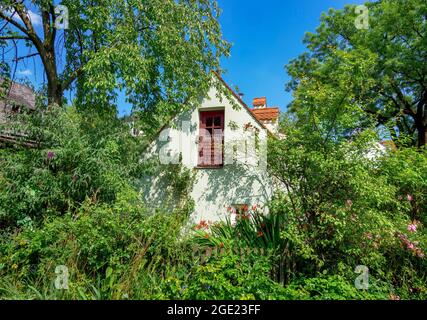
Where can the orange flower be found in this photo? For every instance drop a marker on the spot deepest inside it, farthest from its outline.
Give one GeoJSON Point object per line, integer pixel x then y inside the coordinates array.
{"type": "Point", "coordinates": [202, 225]}
{"type": "Point", "coordinates": [260, 233]}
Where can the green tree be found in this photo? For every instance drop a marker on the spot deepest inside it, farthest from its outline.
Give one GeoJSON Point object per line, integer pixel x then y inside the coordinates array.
{"type": "Point", "coordinates": [159, 52]}
{"type": "Point", "coordinates": [380, 69]}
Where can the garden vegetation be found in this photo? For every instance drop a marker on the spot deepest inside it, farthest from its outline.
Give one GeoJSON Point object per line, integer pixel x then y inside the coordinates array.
{"type": "Point", "coordinates": [341, 201]}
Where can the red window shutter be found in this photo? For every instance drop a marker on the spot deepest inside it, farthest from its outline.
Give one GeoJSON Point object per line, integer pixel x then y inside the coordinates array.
{"type": "Point", "coordinates": [211, 139]}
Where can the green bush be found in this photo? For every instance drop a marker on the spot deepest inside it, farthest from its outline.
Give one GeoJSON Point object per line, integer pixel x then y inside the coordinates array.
{"type": "Point", "coordinates": [81, 156]}
{"type": "Point", "coordinates": [227, 275]}
{"type": "Point", "coordinates": [332, 287]}
{"type": "Point", "coordinates": [101, 245]}
{"type": "Point", "coordinates": [342, 206]}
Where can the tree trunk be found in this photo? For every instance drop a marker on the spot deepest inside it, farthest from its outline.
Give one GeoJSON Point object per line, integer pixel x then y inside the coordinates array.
{"type": "Point", "coordinates": [54, 86]}
{"type": "Point", "coordinates": [54, 94]}
{"type": "Point", "coordinates": [422, 135]}
{"type": "Point", "coordinates": [421, 120]}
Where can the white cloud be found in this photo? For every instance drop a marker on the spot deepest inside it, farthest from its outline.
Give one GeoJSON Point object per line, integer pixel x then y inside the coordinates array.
{"type": "Point", "coordinates": [35, 19]}
{"type": "Point", "coordinates": [26, 72]}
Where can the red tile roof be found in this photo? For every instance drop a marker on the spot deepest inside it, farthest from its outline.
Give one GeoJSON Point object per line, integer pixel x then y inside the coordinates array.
{"type": "Point", "coordinates": [264, 114]}
{"type": "Point", "coordinates": [389, 144]}
{"type": "Point", "coordinates": [258, 102]}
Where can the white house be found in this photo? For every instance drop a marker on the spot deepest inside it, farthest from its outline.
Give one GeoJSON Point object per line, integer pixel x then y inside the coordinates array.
{"type": "Point", "coordinates": [224, 143]}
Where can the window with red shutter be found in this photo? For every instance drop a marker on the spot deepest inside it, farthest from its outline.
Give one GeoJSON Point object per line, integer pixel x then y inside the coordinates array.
{"type": "Point", "coordinates": [211, 139]}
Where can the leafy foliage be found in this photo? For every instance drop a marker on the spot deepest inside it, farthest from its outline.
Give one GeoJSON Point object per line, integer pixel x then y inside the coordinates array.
{"type": "Point", "coordinates": [80, 158]}
{"type": "Point", "coordinates": [158, 52]}
{"type": "Point", "coordinates": [380, 70]}
{"type": "Point", "coordinates": [342, 200]}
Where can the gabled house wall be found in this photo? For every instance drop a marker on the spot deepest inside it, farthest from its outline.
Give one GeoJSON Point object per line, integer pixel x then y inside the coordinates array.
{"type": "Point", "coordinates": [243, 178]}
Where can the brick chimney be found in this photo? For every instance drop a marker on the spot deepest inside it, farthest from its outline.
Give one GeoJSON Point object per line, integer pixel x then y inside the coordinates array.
{"type": "Point", "coordinates": [260, 103]}
{"type": "Point", "coordinates": [268, 116]}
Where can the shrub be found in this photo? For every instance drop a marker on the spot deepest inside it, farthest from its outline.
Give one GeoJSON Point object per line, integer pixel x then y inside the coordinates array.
{"type": "Point", "coordinates": [81, 156]}
{"type": "Point", "coordinates": [227, 275]}
{"type": "Point", "coordinates": [332, 287]}
{"type": "Point", "coordinates": [101, 245]}
{"type": "Point", "coordinates": [344, 204]}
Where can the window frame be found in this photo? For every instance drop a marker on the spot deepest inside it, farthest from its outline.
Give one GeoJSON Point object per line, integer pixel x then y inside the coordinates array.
{"type": "Point", "coordinates": [203, 125]}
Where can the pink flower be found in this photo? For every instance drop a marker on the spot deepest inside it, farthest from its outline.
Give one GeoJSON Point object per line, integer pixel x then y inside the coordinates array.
{"type": "Point", "coordinates": [409, 197]}
{"type": "Point", "coordinates": [410, 246]}
{"type": "Point", "coordinates": [412, 227]}
{"type": "Point", "coordinates": [50, 155]}
{"type": "Point", "coordinates": [254, 207]}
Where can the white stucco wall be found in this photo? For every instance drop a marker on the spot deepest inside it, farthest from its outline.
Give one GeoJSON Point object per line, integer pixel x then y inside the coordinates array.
{"type": "Point", "coordinates": [272, 125]}
{"type": "Point", "coordinates": [242, 179]}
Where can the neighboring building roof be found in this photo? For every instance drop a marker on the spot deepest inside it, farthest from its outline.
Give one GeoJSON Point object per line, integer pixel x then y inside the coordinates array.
{"type": "Point", "coordinates": [20, 95]}
{"type": "Point", "coordinates": [264, 114]}
{"type": "Point", "coordinates": [259, 102]}
{"type": "Point", "coordinates": [17, 95]}
{"type": "Point", "coordinates": [389, 144]}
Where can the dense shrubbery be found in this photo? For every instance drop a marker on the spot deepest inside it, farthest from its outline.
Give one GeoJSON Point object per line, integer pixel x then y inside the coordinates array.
{"type": "Point", "coordinates": [82, 156]}
{"type": "Point", "coordinates": [345, 204]}
{"type": "Point", "coordinates": [74, 203]}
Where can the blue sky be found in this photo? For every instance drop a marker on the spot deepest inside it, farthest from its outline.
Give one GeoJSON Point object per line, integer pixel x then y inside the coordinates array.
{"type": "Point", "coordinates": [265, 35]}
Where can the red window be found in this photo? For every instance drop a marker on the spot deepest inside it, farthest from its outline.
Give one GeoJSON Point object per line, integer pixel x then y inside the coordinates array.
{"type": "Point", "coordinates": [211, 139]}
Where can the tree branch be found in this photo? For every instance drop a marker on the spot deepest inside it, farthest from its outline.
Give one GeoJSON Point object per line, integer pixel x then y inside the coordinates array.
{"type": "Point", "coordinates": [46, 26]}
{"type": "Point", "coordinates": [407, 107]}
{"type": "Point", "coordinates": [14, 38]}
{"type": "Point", "coordinates": [30, 30]}
{"type": "Point", "coordinates": [13, 22]}
{"type": "Point", "coordinates": [71, 78]}
{"type": "Point", "coordinates": [52, 13]}
{"type": "Point", "coordinates": [27, 56]}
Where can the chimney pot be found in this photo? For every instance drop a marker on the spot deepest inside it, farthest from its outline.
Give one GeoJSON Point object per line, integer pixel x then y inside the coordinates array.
{"type": "Point", "coordinates": [260, 102]}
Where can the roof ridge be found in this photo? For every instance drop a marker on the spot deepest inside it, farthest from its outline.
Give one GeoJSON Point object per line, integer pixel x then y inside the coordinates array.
{"type": "Point", "coordinates": [240, 100]}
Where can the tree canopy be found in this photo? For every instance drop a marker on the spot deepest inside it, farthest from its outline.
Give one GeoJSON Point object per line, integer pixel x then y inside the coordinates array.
{"type": "Point", "coordinates": [377, 71]}
{"type": "Point", "coordinates": [158, 52]}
